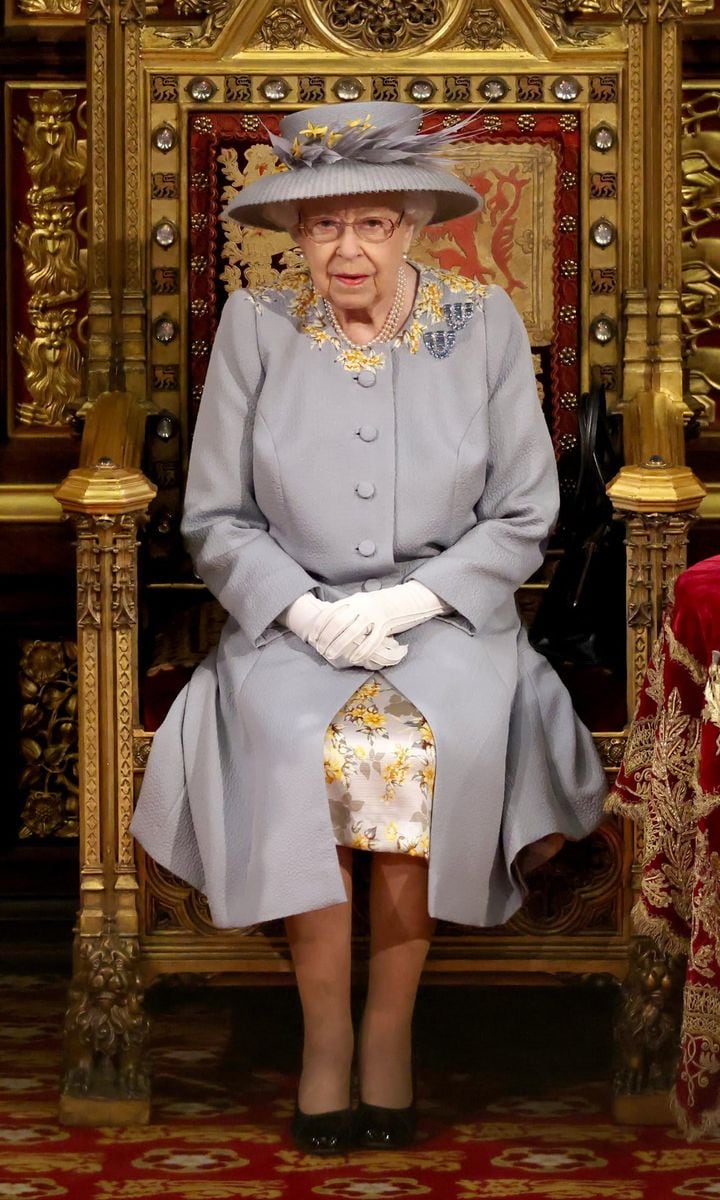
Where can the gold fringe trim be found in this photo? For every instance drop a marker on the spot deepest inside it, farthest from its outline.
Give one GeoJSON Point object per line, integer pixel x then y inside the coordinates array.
{"type": "Point", "coordinates": [708, 1124]}
{"type": "Point", "coordinates": [648, 924]}
{"type": "Point", "coordinates": [614, 803]}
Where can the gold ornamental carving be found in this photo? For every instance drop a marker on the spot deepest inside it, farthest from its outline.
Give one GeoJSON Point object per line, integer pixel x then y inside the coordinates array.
{"type": "Point", "coordinates": [124, 571]}
{"type": "Point", "coordinates": [283, 27]}
{"type": "Point", "coordinates": [485, 29]}
{"type": "Point", "coordinates": [634, 11]}
{"type": "Point", "coordinates": [656, 554]}
{"type": "Point", "coordinates": [50, 8]}
{"type": "Point", "coordinates": [132, 12]}
{"type": "Point", "coordinates": [382, 25]}
{"type": "Point", "coordinates": [604, 8]}
{"type": "Point", "coordinates": [611, 750]}
{"type": "Point", "coordinates": [98, 11]}
{"type": "Point", "coordinates": [556, 16]}
{"type": "Point", "coordinates": [701, 248]}
{"type": "Point", "coordinates": [53, 261]}
{"type": "Point", "coordinates": [106, 1029]}
{"type": "Point", "coordinates": [647, 1031]}
{"type": "Point", "coordinates": [88, 574]}
{"type": "Point", "coordinates": [49, 739]}
{"type": "Point", "coordinates": [213, 16]}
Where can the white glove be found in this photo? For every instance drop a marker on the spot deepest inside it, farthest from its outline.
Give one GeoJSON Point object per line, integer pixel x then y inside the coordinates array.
{"type": "Point", "coordinates": [307, 612]}
{"type": "Point", "coordinates": [359, 624]}
{"type": "Point", "coordinates": [301, 615]}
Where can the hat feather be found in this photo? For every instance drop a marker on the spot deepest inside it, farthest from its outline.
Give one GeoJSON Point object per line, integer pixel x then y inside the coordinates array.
{"type": "Point", "coordinates": [397, 142]}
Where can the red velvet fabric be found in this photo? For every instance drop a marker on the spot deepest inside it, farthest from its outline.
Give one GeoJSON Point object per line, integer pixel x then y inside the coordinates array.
{"type": "Point", "coordinates": [670, 782]}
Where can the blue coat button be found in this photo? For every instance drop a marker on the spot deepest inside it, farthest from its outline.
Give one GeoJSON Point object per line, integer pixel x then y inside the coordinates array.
{"type": "Point", "coordinates": [368, 433]}
{"type": "Point", "coordinates": [365, 489]}
{"type": "Point", "coordinates": [366, 378]}
{"type": "Point", "coordinates": [371, 585]}
{"type": "Point", "coordinates": [366, 548]}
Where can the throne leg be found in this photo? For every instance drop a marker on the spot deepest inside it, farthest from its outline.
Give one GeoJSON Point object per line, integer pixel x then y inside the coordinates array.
{"type": "Point", "coordinates": [647, 1036]}
{"type": "Point", "coordinates": [105, 1076]}
{"type": "Point", "coordinates": [105, 1080]}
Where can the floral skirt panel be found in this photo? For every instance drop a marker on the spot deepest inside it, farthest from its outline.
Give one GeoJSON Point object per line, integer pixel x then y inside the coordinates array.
{"type": "Point", "coordinates": [379, 757]}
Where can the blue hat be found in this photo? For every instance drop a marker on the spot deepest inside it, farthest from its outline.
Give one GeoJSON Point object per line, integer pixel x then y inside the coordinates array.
{"type": "Point", "coordinates": [355, 149]}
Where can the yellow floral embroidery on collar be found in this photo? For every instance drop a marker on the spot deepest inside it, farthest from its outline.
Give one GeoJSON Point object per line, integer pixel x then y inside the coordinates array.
{"type": "Point", "coordinates": [360, 359]}
{"type": "Point", "coordinates": [305, 304]}
{"type": "Point", "coordinates": [455, 282]}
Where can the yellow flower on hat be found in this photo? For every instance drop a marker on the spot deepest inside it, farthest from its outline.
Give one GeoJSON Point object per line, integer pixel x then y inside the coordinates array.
{"type": "Point", "coordinates": [296, 149]}
{"type": "Point", "coordinates": [360, 123]}
{"type": "Point", "coordinates": [317, 132]}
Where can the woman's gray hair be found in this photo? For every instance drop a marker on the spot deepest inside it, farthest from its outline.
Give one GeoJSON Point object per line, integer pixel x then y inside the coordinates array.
{"type": "Point", "coordinates": [418, 209]}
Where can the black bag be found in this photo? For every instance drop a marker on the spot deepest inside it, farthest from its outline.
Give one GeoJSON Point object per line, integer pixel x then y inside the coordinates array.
{"type": "Point", "coordinates": [581, 619]}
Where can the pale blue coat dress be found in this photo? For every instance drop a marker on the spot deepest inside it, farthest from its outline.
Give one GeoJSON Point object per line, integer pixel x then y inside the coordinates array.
{"type": "Point", "coordinates": [446, 426]}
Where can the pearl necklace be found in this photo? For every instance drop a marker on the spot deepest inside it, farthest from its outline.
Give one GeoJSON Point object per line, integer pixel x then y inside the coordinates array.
{"type": "Point", "coordinates": [388, 327]}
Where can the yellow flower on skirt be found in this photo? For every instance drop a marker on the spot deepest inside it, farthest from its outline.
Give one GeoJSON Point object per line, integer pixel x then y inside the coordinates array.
{"type": "Point", "coordinates": [333, 765]}
{"type": "Point", "coordinates": [379, 771]}
{"type": "Point", "coordinates": [427, 775]}
{"type": "Point", "coordinates": [373, 720]}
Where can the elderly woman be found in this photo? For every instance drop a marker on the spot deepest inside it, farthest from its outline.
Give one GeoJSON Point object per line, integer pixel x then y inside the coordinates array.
{"type": "Point", "coordinates": [371, 480]}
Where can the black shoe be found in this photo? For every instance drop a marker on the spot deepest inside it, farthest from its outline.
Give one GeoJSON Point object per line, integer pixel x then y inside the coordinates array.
{"type": "Point", "coordinates": [379, 1128]}
{"type": "Point", "coordinates": [322, 1133]}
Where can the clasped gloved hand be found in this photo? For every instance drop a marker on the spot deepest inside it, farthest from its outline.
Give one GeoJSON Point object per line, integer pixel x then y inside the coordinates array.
{"type": "Point", "coordinates": [307, 614]}
{"type": "Point", "coordinates": [357, 627]}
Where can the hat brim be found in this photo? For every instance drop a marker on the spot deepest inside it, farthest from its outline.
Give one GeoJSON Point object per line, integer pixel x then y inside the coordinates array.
{"type": "Point", "coordinates": [453, 197]}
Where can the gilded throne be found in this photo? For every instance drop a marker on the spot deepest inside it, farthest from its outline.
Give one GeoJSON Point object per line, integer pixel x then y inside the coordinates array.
{"type": "Point", "coordinates": [581, 226]}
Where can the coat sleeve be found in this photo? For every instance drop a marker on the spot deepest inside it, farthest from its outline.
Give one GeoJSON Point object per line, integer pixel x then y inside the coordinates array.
{"type": "Point", "coordinates": [519, 505]}
{"type": "Point", "coordinates": [226, 532]}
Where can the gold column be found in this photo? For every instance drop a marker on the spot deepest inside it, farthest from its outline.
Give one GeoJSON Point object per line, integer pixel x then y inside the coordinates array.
{"type": "Point", "coordinates": [105, 1080]}
{"type": "Point", "coordinates": [116, 355]}
{"type": "Point", "coordinates": [655, 493]}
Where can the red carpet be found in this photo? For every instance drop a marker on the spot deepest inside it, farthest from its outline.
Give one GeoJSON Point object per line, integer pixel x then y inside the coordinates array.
{"type": "Point", "coordinates": [502, 1115]}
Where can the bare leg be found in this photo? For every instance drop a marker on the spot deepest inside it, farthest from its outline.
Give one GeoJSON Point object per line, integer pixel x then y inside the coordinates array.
{"type": "Point", "coordinates": [320, 948]}
{"type": "Point", "coordinates": [400, 934]}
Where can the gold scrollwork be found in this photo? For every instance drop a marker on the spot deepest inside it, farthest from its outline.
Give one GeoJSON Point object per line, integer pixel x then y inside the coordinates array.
{"type": "Point", "coordinates": [701, 249]}
{"type": "Point", "coordinates": [381, 25]}
{"type": "Point", "coordinates": [49, 739]}
{"type": "Point", "coordinates": [556, 16]}
{"type": "Point", "coordinates": [213, 16]}
{"type": "Point", "coordinates": [606, 8]}
{"type": "Point", "coordinates": [50, 8]}
{"type": "Point", "coordinates": [53, 261]}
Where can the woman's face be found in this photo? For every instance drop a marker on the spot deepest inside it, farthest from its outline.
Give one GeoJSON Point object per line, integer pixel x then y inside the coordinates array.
{"type": "Point", "coordinates": [355, 275]}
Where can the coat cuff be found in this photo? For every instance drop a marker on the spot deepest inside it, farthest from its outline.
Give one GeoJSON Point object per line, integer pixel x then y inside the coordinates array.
{"type": "Point", "coordinates": [437, 576]}
{"type": "Point", "coordinates": [268, 597]}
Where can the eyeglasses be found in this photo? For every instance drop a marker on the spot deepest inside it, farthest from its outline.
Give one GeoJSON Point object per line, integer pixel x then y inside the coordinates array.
{"type": "Point", "coordinates": [367, 229]}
